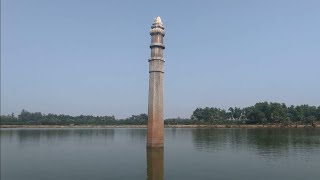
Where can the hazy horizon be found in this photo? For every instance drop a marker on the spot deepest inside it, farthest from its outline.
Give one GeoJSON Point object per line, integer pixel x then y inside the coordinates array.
{"type": "Point", "coordinates": [91, 57]}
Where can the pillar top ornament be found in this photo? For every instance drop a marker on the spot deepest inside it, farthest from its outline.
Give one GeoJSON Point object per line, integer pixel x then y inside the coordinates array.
{"type": "Point", "coordinates": [157, 20]}
{"type": "Point", "coordinates": [157, 26]}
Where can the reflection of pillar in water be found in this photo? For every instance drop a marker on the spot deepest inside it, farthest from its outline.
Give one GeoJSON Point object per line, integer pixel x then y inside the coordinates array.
{"type": "Point", "coordinates": [155, 163]}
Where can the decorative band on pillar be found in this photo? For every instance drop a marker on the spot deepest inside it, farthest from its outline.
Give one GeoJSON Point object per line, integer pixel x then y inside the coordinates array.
{"type": "Point", "coordinates": [157, 30]}
{"type": "Point", "coordinates": [156, 71]}
{"type": "Point", "coordinates": [156, 58]}
{"type": "Point", "coordinates": [156, 65]}
{"type": "Point", "coordinates": [157, 45]}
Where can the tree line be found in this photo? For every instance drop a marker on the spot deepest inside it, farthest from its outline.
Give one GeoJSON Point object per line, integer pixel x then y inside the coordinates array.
{"type": "Point", "coordinates": [260, 113]}
{"type": "Point", "coordinates": [37, 118]}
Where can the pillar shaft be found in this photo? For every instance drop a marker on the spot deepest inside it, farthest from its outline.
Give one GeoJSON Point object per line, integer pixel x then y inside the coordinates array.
{"type": "Point", "coordinates": [156, 73]}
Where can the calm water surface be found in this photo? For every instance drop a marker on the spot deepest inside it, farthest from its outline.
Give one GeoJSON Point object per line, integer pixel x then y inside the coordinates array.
{"type": "Point", "coordinates": [101, 154]}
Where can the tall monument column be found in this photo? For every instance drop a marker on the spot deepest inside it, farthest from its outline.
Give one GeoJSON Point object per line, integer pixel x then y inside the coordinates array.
{"type": "Point", "coordinates": [156, 71]}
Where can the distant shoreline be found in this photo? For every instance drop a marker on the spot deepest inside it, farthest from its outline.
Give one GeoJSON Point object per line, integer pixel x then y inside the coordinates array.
{"type": "Point", "coordinates": [166, 126]}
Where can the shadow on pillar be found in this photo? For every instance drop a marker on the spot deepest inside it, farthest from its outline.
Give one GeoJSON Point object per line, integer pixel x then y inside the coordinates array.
{"type": "Point", "coordinates": [155, 164]}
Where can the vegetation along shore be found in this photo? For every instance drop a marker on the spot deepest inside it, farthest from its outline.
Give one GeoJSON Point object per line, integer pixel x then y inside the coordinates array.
{"type": "Point", "coordinates": [166, 126]}
{"type": "Point", "coordinates": [260, 115]}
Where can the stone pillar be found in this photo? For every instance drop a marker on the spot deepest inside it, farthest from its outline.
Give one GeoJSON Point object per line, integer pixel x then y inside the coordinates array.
{"type": "Point", "coordinates": [156, 71]}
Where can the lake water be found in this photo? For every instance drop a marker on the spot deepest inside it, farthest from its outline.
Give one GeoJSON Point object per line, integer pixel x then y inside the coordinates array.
{"type": "Point", "coordinates": [101, 154]}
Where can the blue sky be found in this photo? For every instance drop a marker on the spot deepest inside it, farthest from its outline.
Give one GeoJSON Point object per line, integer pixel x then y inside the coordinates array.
{"type": "Point", "coordinates": [91, 57]}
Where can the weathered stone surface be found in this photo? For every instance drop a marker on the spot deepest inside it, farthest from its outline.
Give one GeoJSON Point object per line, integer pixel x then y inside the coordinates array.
{"type": "Point", "coordinates": [156, 72]}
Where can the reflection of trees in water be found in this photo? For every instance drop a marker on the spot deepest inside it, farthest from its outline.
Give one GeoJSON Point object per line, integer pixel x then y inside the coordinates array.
{"type": "Point", "coordinates": [269, 142]}
{"type": "Point", "coordinates": [155, 163]}
{"type": "Point", "coordinates": [173, 132]}
{"type": "Point", "coordinates": [135, 134]}
{"type": "Point", "coordinates": [59, 135]}
{"type": "Point", "coordinates": [56, 135]}
{"type": "Point", "coordinates": [278, 142]}
{"type": "Point", "coordinates": [7, 133]}
{"type": "Point", "coordinates": [177, 132]}
{"type": "Point", "coordinates": [217, 139]}
{"type": "Point", "coordinates": [93, 133]}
